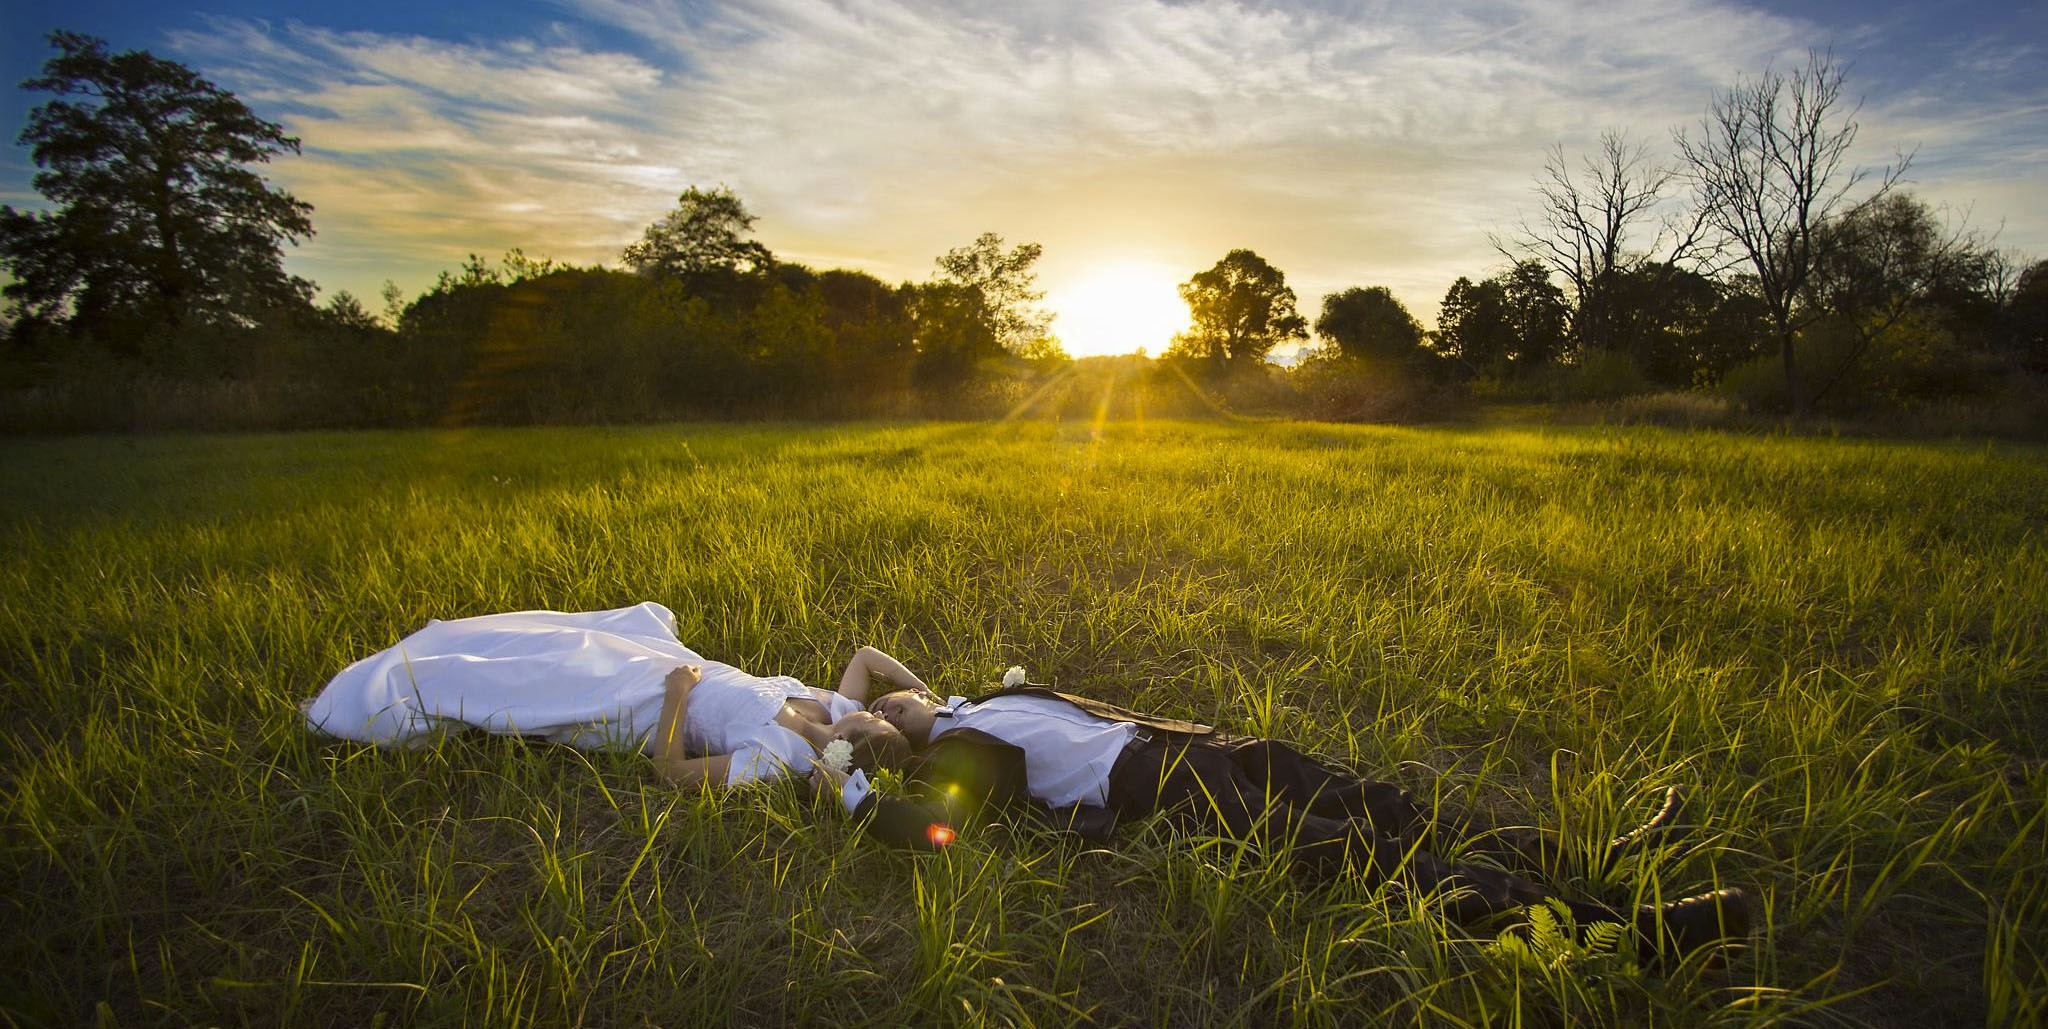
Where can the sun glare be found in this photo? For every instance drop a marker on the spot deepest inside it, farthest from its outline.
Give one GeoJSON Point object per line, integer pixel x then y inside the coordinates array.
{"type": "Point", "coordinates": [1117, 308]}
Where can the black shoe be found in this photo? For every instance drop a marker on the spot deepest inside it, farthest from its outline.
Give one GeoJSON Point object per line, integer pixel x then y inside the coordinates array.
{"type": "Point", "coordinates": [1650, 834]}
{"type": "Point", "coordinates": [1676, 929]}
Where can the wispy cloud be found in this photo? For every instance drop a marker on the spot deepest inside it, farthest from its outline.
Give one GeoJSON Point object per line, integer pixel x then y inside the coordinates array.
{"type": "Point", "coordinates": [1350, 143]}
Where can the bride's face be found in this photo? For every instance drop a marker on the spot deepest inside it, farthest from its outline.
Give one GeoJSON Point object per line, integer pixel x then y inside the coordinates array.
{"type": "Point", "coordinates": [909, 712]}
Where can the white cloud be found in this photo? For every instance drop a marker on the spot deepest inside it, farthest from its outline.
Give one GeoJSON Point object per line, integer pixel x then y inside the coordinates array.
{"type": "Point", "coordinates": [1350, 144]}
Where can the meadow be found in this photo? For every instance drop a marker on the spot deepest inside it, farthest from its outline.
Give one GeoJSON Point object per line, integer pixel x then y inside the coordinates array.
{"type": "Point", "coordinates": [1836, 646]}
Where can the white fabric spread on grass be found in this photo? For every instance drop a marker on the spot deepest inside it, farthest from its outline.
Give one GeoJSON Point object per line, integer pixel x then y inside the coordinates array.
{"type": "Point", "coordinates": [588, 679]}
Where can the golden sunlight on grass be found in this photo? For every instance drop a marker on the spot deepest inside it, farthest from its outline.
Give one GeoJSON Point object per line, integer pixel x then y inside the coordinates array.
{"type": "Point", "coordinates": [1116, 308]}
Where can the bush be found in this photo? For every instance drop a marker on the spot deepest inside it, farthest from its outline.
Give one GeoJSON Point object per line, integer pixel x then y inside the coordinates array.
{"type": "Point", "coordinates": [1352, 389]}
{"type": "Point", "coordinates": [1910, 365]}
{"type": "Point", "coordinates": [1676, 409]}
{"type": "Point", "coordinates": [1757, 384]}
{"type": "Point", "coordinates": [1598, 375]}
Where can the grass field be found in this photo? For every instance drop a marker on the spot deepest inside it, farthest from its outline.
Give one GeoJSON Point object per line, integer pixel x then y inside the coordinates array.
{"type": "Point", "coordinates": [1840, 647]}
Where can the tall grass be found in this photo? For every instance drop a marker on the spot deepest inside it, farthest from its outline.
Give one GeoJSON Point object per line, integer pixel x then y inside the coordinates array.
{"type": "Point", "coordinates": [1838, 646]}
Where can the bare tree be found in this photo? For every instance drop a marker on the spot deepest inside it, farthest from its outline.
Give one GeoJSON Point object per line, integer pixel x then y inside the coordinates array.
{"type": "Point", "coordinates": [1583, 229]}
{"type": "Point", "coordinates": [1769, 169]}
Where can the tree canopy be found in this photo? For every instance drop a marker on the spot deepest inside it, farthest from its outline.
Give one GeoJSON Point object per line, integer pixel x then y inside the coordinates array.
{"type": "Point", "coordinates": [1241, 309]}
{"type": "Point", "coordinates": [706, 233]}
{"type": "Point", "coordinates": [1512, 321]}
{"type": "Point", "coordinates": [999, 286]}
{"type": "Point", "coordinates": [1370, 322]}
{"type": "Point", "coordinates": [159, 217]}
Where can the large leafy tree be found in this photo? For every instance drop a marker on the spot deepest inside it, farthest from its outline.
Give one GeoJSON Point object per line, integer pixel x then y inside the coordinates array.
{"type": "Point", "coordinates": [1884, 259]}
{"type": "Point", "coordinates": [1001, 285]}
{"type": "Point", "coordinates": [158, 217]}
{"type": "Point", "coordinates": [2026, 318]}
{"type": "Point", "coordinates": [1473, 326]}
{"type": "Point", "coordinates": [1241, 309]}
{"type": "Point", "coordinates": [1538, 310]}
{"type": "Point", "coordinates": [1370, 322]}
{"type": "Point", "coordinates": [1507, 325]}
{"type": "Point", "coordinates": [955, 333]}
{"type": "Point", "coordinates": [982, 304]}
{"type": "Point", "coordinates": [707, 233]}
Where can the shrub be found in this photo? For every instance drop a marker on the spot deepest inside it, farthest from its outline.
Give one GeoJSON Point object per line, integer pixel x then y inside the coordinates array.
{"type": "Point", "coordinates": [1674, 409]}
{"type": "Point", "coordinates": [1598, 375]}
{"type": "Point", "coordinates": [1352, 389]}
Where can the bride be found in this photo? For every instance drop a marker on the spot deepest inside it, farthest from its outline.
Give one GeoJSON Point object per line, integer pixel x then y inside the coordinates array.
{"type": "Point", "coordinates": [616, 679]}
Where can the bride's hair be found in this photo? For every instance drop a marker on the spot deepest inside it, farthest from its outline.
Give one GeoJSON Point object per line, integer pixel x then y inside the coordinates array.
{"type": "Point", "coordinates": [877, 746]}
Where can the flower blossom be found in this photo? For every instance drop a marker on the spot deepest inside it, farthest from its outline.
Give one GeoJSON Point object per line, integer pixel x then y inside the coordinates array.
{"type": "Point", "coordinates": [839, 754]}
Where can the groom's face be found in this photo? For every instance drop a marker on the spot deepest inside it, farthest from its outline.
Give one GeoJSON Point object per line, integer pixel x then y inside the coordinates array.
{"type": "Point", "coordinates": [911, 713]}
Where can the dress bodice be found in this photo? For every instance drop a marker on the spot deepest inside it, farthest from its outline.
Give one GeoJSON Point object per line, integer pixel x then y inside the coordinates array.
{"type": "Point", "coordinates": [733, 712]}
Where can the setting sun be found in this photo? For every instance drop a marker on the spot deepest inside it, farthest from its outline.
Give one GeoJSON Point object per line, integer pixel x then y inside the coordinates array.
{"type": "Point", "coordinates": [1118, 308]}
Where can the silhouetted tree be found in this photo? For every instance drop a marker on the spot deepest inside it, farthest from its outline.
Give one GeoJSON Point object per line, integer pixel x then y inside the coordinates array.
{"type": "Point", "coordinates": [874, 339]}
{"type": "Point", "coordinates": [344, 311]}
{"type": "Point", "coordinates": [1888, 256]}
{"type": "Point", "coordinates": [955, 333]}
{"type": "Point", "coordinates": [707, 233]}
{"type": "Point", "coordinates": [1536, 308]}
{"type": "Point", "coordinates": [1890, 261]}
{"type": "Point", "coordinates": [1003, 285]}
{"type": "Point", "coordinates": [158, 219]}
{"type": "Point", "coordinates": [1679, 327]}
{"type": "Point", "coordinates": [2026, 318]}
{"type": "Point", "coordinates": [1769, 168]}
{"type": "Point", "coordinates": [1241, 309]}
{"type": "Point", "coordinates": [1370, 323]}
{"type": "Point", "coordinates": [1510, 324]}
{"type": "Point", "coordinates": [1473, 326]}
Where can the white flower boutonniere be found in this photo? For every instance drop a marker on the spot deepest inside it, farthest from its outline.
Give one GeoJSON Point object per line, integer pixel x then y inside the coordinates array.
{"type": "Point", "coordinates": [839, 754]}
{"type": "Point", "coordinates": [1014, 677]}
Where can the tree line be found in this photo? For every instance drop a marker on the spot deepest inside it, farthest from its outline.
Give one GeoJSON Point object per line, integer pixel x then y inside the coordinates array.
{"type": "Point", "coordinates": [1755, 261]}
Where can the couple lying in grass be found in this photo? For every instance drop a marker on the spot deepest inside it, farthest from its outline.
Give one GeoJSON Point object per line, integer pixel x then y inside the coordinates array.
{"type": "Point", "coordinates": [622, 679]}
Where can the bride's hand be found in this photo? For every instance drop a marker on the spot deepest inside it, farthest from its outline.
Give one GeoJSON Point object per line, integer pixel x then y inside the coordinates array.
{"type": "Point", "coordinates": [685, 677]}
{"type": "Point", "coordinates": [826, 781]}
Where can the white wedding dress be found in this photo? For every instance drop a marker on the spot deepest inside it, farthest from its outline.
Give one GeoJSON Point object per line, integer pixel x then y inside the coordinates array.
{"type": "Point", "coordinates": [588, 679]}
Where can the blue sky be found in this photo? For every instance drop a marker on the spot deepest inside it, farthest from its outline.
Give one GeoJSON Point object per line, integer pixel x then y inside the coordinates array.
{"type": "Point", "coordinates": [1349, 143]}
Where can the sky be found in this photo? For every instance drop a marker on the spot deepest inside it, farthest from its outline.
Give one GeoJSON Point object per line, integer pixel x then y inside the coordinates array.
{"type": "Point", "coordinates": [1348, 143]}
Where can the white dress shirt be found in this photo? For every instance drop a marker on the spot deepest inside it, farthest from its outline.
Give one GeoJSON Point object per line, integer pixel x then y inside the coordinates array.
{"type": "Point", "coordinates": [1067, 752]}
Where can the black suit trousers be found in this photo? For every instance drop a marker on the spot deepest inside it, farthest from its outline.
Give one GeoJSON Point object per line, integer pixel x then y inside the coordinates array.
{"type": "Point", "coordinates": [1267, 791]}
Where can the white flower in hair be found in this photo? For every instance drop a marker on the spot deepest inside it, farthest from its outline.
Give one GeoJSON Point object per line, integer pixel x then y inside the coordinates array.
{"type": "Point", "coordinates": [1013, 677]}
{"type": "Point", "coordinates": [839, 754]}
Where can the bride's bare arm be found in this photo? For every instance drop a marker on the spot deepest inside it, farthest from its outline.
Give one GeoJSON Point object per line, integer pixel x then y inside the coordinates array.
{"type": "Point", "coordinates": [868, 664]}
{"type": "Point", "coordinates": [696, 771]}
{"type": "Point", "coordinates": [675, 706]}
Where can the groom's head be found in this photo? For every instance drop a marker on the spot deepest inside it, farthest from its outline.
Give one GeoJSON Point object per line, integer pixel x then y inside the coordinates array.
{"type": "Point", "coordinates": [910, 711]}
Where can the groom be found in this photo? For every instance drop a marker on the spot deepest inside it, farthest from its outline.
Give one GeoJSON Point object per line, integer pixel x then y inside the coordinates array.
{"type": "Point", "coordinates": [1085, 765]}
